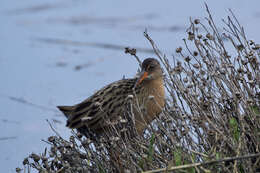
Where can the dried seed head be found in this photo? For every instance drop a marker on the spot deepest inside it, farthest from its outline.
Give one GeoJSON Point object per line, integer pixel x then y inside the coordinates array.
{"type": "Point", "coordinates": [251, 42]}
{"type": "Point", "coordinates": [187, 59]}
{"type": "Point", "coordinates": [191, 36]}
{"type": "Point", "coordinates": [35, 157]}
{"type": "Point", "coordinates": [199, 36]}
{"type": "Point", "coordinates": [130, 51]}
{"type": "Point", "coordinates": [195, 53]}
{"type": "Point", "coordinates": [240, 47]}
{"type": "Point", "coordinates": [209, 36]}
{"type": "Point", "coordinates": [177, 69]}
{"type": "Point", "coordinates": [178, 50]}
{"type": "Point", "coordinates": [51, 139]}
{"type": "Point", "coordinates": [25, 161]}
{"type": "Point", "coordinates": [18, 169]}
{"type": "Point", "coordinates": [197, 42]}
{"type": "Point", "coordinates": [197, 66]}
{"type": "Point", "coordinates": [196, 21]}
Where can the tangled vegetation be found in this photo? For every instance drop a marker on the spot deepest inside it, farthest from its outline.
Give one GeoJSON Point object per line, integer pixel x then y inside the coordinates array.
{"type": "Point", "coordinates": [211, 122]}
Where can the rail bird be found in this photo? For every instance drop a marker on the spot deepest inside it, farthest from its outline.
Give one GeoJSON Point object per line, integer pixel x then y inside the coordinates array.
{"type": "Point", "coordinates": [108, 104]}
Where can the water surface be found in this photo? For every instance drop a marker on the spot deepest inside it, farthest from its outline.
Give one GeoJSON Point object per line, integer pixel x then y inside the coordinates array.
{"type": "Point", "coordinates": [58, 52]}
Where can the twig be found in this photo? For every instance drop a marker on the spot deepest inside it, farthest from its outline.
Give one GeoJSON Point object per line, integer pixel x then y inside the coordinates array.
{"type": "Point", "coordinates": [133, 53]}
{"type": "Point", "coordinates": [53, 128]}
{"type": "Point", "coordinates": [156, 50]}
{"type": "Point", "coordinates": [203, 163]}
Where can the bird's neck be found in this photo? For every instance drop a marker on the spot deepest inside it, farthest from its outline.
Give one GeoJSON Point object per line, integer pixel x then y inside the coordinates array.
{"type": "Point", "coordinates": [155, 87]}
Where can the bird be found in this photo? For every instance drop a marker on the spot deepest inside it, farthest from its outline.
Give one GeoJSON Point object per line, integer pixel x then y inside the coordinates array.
{"type": "Point", "coordinates": [146, 90]}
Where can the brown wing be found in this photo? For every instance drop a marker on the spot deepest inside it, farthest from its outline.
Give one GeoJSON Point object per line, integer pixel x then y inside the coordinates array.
{"type": "Point", "coordinates": [104, 105]}
{"type": "Point", "coordinates": [66, 110]}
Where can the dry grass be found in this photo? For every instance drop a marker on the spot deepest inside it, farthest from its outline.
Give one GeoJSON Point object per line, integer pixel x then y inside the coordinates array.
{"type": "Point", "coordinates": [211, 122]}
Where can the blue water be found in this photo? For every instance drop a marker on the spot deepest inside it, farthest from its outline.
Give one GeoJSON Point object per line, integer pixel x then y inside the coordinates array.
{"type": "Point", "coordinates": [36, 75]}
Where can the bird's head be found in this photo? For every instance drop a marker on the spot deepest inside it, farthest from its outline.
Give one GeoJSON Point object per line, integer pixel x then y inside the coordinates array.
{"type": "Point", "coordinates": [151, 70]}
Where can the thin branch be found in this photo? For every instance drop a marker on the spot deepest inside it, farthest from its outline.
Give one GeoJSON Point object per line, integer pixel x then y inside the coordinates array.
{"type": "Point", "coordinates": [155, 48]}
{"type": "Point", "coordinates": [227, 159]}
{"type": "Point", "coordinates": [53, 128]}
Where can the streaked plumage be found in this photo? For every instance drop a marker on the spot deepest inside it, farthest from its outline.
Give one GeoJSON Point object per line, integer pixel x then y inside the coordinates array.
{"type": "Point", "coordinates": [110, 102]}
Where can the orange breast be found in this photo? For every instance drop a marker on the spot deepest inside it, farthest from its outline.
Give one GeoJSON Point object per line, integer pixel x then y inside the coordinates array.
{"type": "Point", "coordinates": [152, 102]}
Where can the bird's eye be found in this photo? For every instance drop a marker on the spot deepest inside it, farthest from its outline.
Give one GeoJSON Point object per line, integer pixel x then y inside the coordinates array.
{"type": "Point", "coordinates": [150, 67]}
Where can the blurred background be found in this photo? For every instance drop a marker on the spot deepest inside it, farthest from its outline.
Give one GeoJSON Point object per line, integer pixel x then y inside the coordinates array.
{"type": "Point", "coordinates": [58, 52]}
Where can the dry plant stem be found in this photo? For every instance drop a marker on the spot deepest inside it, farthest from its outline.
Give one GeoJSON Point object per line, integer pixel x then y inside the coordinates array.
{"type": "Point", "coordinates": [53, 129]}
{"type": "Point", "coordinates": [133, 53]}
{"type": "Point", "coordinates": [204, 163]}
{"type": "Point", "coordinates": [156, 50]}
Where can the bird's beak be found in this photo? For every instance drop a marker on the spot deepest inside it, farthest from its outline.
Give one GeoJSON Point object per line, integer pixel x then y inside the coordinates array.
{"type": "Point", "coordinates": [143, 75]}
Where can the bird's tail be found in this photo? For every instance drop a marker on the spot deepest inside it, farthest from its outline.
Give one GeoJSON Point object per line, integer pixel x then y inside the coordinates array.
{"type": "Point", "coordinates": [66, 110]}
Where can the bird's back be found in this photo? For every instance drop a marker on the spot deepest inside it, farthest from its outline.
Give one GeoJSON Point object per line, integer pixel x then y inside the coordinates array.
{"type": "Point", "coordinates": [105, 105]}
